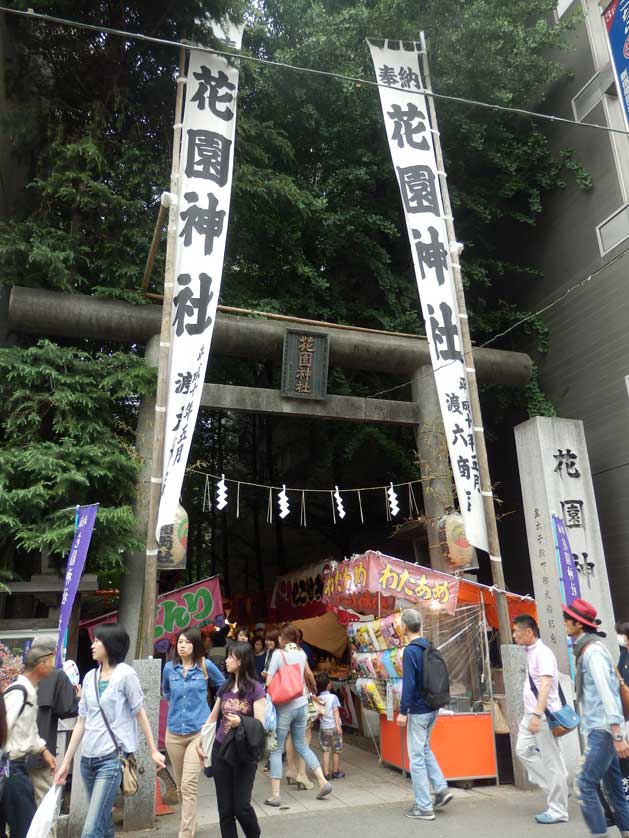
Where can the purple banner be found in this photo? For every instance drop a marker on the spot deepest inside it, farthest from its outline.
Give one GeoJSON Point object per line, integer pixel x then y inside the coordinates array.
{"type": "Point", "coordinates": [76, 562]}
{"type": "Point", "coordinates": [567, 570]}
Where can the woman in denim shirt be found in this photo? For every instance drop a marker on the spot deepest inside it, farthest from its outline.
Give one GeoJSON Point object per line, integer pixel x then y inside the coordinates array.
{"type": "Point", "coordinates": [122, 701]}
{"type": "Point", "coordinates": [184, 686]}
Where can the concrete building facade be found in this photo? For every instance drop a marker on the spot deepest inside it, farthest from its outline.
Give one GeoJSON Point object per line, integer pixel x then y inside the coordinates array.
{"type": "Point", "coordinates": [585, 233]}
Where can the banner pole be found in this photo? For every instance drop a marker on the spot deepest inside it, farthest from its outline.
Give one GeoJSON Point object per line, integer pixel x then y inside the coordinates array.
{"type": "Point", "coordinates": [147, 623]}
{"type": "Point", "coordinates": [493, 542]}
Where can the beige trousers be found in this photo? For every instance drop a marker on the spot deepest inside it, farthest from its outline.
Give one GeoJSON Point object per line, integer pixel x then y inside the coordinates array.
{"type": "Point", "coordinates": [182, 751]}
{"type": "Point", "coordinates": [41, 779]}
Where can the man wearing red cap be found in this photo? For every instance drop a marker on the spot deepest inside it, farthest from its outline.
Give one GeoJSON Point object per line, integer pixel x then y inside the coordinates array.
{"type": "Point", "coordinates": [602, 720]}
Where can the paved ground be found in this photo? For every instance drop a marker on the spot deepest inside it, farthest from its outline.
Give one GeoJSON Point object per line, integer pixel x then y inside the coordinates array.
{"type": "Point", "coordinates": [369, 803]}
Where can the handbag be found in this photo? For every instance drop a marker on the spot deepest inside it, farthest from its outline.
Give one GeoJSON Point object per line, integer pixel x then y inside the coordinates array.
{"type": "Point", "coordinates": [287, 683]}
{"type": "Point", "coordinates": [561, 721]}
{"type": "Point", "coordinates": [624, 694]}
{"type": "Point", "coordinates": [129, 783]}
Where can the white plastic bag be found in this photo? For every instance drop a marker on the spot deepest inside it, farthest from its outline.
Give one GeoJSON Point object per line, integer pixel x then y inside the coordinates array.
{"type": "Point", "coordinates": [208, 735]}
{"type": "Point", "coordinates": [46, 814]}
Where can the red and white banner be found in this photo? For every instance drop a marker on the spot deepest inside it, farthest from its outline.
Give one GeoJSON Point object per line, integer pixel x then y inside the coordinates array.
{"type": "Point", "coordinates": [297, 595]}
{"type": "Point", "coordinates": [410, 136]}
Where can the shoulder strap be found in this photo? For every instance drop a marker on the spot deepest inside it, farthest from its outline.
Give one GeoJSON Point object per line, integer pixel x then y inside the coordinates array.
{"type": "Point", "coordinates": [102, 712]}
{"type": "Point", "coordinates": [204, 668]}
{"type": "Point", "coordinates": [535, 692]}
{"type": "Point", "coordinates": [21, 689]}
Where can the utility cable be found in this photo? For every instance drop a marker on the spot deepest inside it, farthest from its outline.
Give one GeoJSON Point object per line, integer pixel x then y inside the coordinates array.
{"type": "Point", "coordinates": [552, 304]}
{"type": "Point", "coordinates": [138, 36]}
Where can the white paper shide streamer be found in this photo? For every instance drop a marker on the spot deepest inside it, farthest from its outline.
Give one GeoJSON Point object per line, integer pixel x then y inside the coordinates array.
{"type": "Point", "coordinates": [340, 509]}
{"type": "Point", "coordinates": [282, 502]}
{"type": "Point", "coordinates": [394, 506]}
{"type": "Point", "coordinates": [221, 493]}
{"type": "Point", "coordinates": [412, 151]}
{"type": "Point", "coordinates": [207, 158]}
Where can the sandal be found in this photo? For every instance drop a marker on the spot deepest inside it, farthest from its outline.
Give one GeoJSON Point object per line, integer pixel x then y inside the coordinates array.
{"type": "Point", "coordinates": [303, 783]}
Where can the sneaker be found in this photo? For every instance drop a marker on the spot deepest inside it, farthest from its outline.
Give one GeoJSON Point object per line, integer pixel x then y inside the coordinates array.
{"type": "Point", "coordinates": [547, 818]}
{"type": "Point", "coordinates": [338, 775]}
{"type": "Point", "coordinates": [442, 798]}
{"type": "Point", "coordinates": [420, 814]}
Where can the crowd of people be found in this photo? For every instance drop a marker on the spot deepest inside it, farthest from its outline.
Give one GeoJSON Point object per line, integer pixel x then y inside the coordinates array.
{"type": "Point", "coordinates": [599, 782]}
{"type": "Point", "coordinates": [229, 695]}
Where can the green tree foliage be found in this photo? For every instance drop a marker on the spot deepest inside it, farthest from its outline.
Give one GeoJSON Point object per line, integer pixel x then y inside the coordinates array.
{"type": "Point", "coordinates": [66, 438]}
{"type": "Point", "coordinates": [316, 228]}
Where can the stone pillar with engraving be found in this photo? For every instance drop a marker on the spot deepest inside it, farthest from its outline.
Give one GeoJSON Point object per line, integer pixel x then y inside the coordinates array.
{"type": "Point", "coordinates": [556, 480]}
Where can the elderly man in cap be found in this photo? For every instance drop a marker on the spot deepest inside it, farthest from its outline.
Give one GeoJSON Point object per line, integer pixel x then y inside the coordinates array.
{"type": "Point", "coordinates": [602, 720]}
{"type": "Point", "coordinates": [57, 699]}
{"type": "Point", "coordinates": [20, 698]}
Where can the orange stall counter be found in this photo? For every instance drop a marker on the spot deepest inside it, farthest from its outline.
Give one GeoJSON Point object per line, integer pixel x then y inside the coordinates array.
{"type": "Point", "coordinates": [463, 745]}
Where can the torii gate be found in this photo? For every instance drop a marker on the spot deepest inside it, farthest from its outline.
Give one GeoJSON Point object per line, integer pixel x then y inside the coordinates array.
{"type": "Point", "coordinates": [236, 333]}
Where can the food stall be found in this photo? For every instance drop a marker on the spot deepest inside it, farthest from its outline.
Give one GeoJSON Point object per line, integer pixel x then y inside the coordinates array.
{"type": "Point", "coordinates": [457, 616]}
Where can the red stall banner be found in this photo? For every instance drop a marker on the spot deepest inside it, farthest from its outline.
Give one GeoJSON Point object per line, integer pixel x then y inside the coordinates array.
{"type": "Point", "coordinates": [298, 595]}
{"type": "Point", "coordinates": [372, 583]}
{"type": "Point", "coordinates": [194, 605]}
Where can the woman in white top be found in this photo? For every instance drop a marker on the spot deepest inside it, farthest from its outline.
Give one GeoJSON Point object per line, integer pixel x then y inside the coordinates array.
{"type": "Point", "coordinates": [291, 717]}
{"type": "Point", "coordinates": [115, 687]}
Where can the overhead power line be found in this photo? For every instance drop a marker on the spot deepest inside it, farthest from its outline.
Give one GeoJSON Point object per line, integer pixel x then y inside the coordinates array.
{"type": "Point", "coordinates": [558, 299]}
{"type": "Point", "coordinates": [138, 36]}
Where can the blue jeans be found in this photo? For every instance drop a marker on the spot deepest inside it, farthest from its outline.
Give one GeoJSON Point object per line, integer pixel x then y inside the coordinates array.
{"type": "Point", "coordinates": [18, 800]}
{"type": "Point", "coordinates": [600, 762]}
{"type": "Point", "coordinates": [424, 767]}
{"type": "Point", "coordinates": [102, 776]}
{"type": "Point", "coordinates": [293, 722]}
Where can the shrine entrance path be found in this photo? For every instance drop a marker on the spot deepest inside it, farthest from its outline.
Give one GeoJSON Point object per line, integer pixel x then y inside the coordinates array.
{"type": "Point", "coordinates": [369, 803]}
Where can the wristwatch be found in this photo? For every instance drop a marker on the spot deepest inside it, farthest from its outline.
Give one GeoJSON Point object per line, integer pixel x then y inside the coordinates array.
{"type": "Point", "coordinates": [618, 737]}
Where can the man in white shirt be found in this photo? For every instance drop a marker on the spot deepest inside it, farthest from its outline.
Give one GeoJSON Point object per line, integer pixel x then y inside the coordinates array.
{"type": "Point", "coordinates": [21, 706]}
{"type": "Point", "coordinates": [537, 749]}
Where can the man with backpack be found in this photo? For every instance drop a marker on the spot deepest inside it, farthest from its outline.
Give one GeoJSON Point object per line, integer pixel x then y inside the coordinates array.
{"type": "Point", "coordinates": [20, 699]}
{"type": "Point", "coordinates": [57, 699]}
{"type": "Point", "coordinates": [425, 688]}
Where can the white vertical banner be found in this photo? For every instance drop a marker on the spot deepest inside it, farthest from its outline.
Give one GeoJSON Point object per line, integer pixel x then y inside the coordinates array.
{"type": "Point", "coordinates": [410, 136]}
{"type": "Point", "coordinates": [206, 165]}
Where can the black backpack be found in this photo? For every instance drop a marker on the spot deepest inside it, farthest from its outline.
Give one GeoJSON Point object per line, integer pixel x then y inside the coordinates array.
{"type": "Point", "coordinates": [435, 679]}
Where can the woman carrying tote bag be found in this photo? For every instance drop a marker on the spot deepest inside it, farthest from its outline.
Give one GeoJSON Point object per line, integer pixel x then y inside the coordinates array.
{"type": "Point", "coordinates": [291, 715]}
{"type": "Point", "coordinates": [240, 700]}
{"type": "Point", "coordinates": [111, 696]}
{"type": "Point", "coordinates": [184, 685]}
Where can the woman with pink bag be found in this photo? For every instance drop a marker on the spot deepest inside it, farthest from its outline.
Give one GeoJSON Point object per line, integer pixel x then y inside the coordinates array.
{"type": "Point", "coordinates": [289, 666]}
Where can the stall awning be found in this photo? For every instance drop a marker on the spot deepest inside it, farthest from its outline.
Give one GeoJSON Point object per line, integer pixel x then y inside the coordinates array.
{"type": "Point", "coordinates": [374, 583]}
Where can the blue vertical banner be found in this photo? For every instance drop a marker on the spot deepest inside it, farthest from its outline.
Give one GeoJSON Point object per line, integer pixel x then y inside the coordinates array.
{"type": "Point", "coordinates": [86, 516]}
{"type": "Point", "coordinates": [568, 574]}
{"type": "Point", "coordinates": [616, 17]}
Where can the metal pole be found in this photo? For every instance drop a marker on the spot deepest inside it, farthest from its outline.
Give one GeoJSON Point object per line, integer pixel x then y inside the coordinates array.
{"type": "Point", "coordinates": [147, 628]}
{"type": "Point", "coordinates": [497, 572]}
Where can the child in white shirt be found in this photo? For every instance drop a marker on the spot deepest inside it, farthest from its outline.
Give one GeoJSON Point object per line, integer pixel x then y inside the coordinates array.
{"type": "Point", "coordinates": [330, 729]}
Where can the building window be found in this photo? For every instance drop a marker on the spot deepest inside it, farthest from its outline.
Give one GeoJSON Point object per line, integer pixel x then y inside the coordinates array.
{"type": "Point", "coordinates": [613, 230]}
